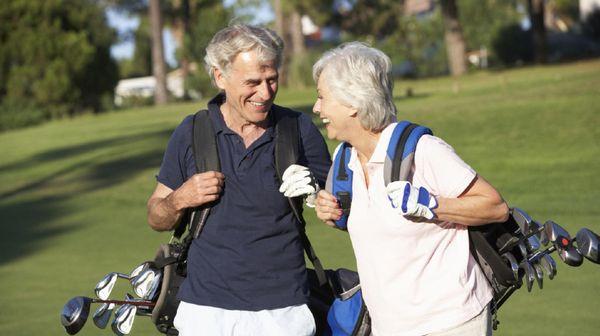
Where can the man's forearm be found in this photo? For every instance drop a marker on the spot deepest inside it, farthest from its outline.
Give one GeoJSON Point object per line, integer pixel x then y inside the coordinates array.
{"type": "Point", "coordinates": [163, 214]}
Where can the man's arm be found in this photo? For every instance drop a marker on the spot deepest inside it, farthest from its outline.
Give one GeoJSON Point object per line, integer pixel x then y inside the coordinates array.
{"type": "Point", "coordinates": [166, 206]}
{"type": "Point", "coordinates": [479, 204]}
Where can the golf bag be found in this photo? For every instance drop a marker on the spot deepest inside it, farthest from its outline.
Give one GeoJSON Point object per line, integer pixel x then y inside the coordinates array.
{"type": "Point", "coordinates": [335, 299]}
{"type": "Point", "coordinates": [486, 242]}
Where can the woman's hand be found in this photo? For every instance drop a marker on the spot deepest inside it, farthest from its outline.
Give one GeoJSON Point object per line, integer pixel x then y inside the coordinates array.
{"type": "Point", "coordinates": [328, 209]}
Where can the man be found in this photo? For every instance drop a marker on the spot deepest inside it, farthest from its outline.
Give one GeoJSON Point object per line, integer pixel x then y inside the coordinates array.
{"type": "Point", "coordinates": [246, 270]}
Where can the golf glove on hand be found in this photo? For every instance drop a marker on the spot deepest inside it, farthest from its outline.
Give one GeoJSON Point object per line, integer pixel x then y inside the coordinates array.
{"type": "Point", "coordinates": [411, 201]}
{"type": "Point", "coordinates": [298, 181]}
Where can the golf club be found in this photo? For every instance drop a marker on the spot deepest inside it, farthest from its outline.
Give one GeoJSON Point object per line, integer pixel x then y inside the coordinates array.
{"type": "Point", "coordinates": [587, 245]}
{"type": "Point", "coordinates": [145, 284]}
{"type": "Point", "coordinates": [539, 274]}
{"type": "Point", "coordinates": [106, 285]}
{"type": "Point", "coordinates": [124, 317]}
{"type": "Point", "coordinates": [75, 313]}
{"type": "Point", "coordinates": [514, 266]}
{"type": "Point", "coordinates": [561, 241]}
{"type": "Point", "coordinates": [102, 315]}
{"type": "Point", "coordinates": [529, 274]}
{"type": "Point", "coordinates": [549, 265]}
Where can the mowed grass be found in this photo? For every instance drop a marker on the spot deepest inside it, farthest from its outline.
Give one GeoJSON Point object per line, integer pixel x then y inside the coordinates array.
{"type": "Point", "coordinates": [73, 192]}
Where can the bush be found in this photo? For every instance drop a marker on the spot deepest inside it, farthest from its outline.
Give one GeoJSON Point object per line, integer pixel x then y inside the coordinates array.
{"type": "Point", "coordinates": [19, 115]}
{"type": "Point", "coordinates": [591, 25]}
{"type": "Point", "coordinates": [513, 45]}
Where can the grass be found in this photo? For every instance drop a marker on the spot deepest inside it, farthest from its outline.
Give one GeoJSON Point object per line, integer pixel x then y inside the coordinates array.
{"type": "Point", "coordinates": [73, 192]}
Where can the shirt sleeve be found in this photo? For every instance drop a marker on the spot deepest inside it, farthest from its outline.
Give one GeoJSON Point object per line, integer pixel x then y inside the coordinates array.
{"type": "Point", "coordinates": [173, 168]}
{"type": "Point", "coordinates": [440, 169]}
{"type": "Point", "coordinates": [314, 152]}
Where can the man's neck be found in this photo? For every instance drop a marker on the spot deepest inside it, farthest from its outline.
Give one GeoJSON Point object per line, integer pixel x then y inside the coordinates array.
{"type": "Point", "coordinates": [247, 130]}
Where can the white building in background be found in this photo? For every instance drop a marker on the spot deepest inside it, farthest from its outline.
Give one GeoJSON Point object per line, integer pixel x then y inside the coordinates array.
{"type": "Point", "coordinates": [145, 86]}
{"type": "Point", "coordinates": [586, 7]}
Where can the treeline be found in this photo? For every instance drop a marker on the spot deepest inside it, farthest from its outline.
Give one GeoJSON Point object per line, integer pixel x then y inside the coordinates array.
{"type": "Point", "coordinates": [55, 54]}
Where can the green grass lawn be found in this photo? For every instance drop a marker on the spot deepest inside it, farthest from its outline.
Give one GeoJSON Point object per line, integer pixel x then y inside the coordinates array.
{"type": "Point", "coordinates": [73, 192]}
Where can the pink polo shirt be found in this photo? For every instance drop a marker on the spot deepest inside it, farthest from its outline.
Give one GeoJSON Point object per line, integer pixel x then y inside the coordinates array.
{"type": "Point", "coordinates": [417, 278]}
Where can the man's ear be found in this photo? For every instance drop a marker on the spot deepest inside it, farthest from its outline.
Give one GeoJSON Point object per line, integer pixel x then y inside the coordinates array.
{"type": "Point", "coordinates": [219, 78]}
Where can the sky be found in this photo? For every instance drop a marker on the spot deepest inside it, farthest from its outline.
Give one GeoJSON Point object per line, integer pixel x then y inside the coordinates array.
{"type": "Point", "coordinates": [124, 23]}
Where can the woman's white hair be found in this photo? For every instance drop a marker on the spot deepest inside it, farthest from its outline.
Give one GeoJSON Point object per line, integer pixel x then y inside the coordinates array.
{"type": "Point", "coordinates": [238, 38]}
{"type": "Point", "coordinates": [360, 77]}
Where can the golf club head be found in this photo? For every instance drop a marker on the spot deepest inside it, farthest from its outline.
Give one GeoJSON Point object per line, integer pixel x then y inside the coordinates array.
{"type": "Point", "coordinates": [535, 226]}
{"type": "Point", "coordinates": [522, 219]}
{"type": "Point", "coordinates": [102, 315]}
{"type": "Point", "coordinates": [539, 275]}
{"type": "Point", "coordinates": [136, 271]}
{"type": "Point", "coordinates": [124, 317]}
{"type": "Point", "coordinates": [146, 283]}
{"type": "Point", "coordinates": [587, 244]}
{"type": "Point", "coordinates": [75, 313]}
{"type": "Point", "coordinates": [529, 275]}
{"type": "Point", "coordinates": [106, 285]}
{"type": "Point", "coordinates": [549, 265]}
{"type": "Point", "coordinates": [533, 244]}
{"type": "Point", "coordinates": [561, 239]}
{"type": "Point", "coordinates": [514, 266]}
{"type": "Point", "coordinates": [523, 249]}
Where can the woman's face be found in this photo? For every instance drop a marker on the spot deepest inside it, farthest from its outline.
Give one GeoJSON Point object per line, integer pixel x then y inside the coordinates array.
{"type": "Point", "coordinates": [335, 116]}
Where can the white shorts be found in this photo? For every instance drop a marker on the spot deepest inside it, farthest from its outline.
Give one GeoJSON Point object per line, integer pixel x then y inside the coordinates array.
{"type": "Point", "coordinates": [480, 325]}
{"type": "Point", "coordinates": [196, 320]}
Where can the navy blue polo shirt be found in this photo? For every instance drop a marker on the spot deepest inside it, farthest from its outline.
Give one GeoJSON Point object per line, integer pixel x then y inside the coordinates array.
{"type": "Point", "coordinates": [249, 255]}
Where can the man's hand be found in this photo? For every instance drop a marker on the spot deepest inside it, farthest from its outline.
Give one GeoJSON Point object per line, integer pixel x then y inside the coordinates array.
{"type": "Point", "coordinates": [297, 181]}
{"type": "Point", "coordinates": [198, 190]}
{"type": "Point", "coordinates": [410, 201]}
{"type": "Point", "coordinates": [328, 209]}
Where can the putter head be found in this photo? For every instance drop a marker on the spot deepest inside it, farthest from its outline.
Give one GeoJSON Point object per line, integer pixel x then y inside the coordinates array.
{"type": "Point", "coordinates": [539, 275]}
{"type": "Point", "coordinates": [529, 275]}
{"type": "Point", "coordinates": [75, 313]}
{"type": "Point", "coordinates": [561, 239]}
{"type": "Point", "coordinates": [102, 315]}
{"type": "Point", "coordinates": [106, 285]}
{"type": "Point", "coordinates": [549, 265]}
{"type": "Point", "coordinates": [522, 219]}
{"type": "Point", "coordinates": [514, 266]}
{"type": "Point", "coordinates": [587, 244]}
{"type": "Point", "coordinates": [124, 317]}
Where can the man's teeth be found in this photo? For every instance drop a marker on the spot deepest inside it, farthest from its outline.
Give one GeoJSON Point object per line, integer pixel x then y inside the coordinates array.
{"type": "Point", "coordinates": [325, 120]}
{"type": "Point", "coordinates": [258, 104]}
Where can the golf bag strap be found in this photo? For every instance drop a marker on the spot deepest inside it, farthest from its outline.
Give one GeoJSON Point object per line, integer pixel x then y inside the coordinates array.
{"type": "Point", "coordinates": [206, 155]}
{"type": "Point", "coordinates": [287, 148]}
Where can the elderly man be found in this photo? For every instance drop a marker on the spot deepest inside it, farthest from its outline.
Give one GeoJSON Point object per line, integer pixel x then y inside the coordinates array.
{"type": "Point", "coordinates": [246, 270]}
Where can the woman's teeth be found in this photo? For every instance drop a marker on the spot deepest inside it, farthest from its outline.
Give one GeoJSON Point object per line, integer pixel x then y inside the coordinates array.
{"type": "Point", "coordinates": [325, 120]}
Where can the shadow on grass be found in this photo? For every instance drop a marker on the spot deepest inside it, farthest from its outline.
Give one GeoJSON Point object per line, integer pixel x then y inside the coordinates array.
{"type": "Point", "coordinates": [30, 216]}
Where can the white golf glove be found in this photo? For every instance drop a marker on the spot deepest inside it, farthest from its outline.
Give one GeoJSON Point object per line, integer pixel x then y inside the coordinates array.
{"type": "Point", "coordinates": [298, 181]}
{"type": "Point", "coordinates": [411, 201]}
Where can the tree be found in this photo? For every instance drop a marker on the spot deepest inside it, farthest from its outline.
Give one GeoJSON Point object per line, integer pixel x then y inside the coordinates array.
{"type": "Point", "coordinates": [158, 57]}
{"type": "Point", "coordinates": [55, 56]}
{"type": "Point", "coordinates": [536, 16]}
{"type": "Point", "coordinates": [453, 35]}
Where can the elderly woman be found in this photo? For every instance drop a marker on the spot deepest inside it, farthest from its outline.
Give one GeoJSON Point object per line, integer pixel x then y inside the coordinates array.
{"type": "Point", "coordinates": [417, 274]}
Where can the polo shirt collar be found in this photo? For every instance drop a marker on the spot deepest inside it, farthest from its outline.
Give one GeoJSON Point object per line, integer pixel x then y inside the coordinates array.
{"type": "Point", "coordinates": [214, 111]}
{"type": "Point", "coordinates": [380, 151]}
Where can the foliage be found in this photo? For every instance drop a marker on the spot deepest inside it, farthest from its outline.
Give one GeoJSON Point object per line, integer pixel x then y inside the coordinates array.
{"type": "Point", "coordinates": [140, 64]}
{"type": "Point", "coordinates": [482, 20]}
{"type": "Point", "coordinates": [209, 18]}
{"type": "Point", "coordinates": [591, 26]}
{"type": "Point", "coordinates": [54, 56]}
{"type": "Point", "coordinates": [513, 45]}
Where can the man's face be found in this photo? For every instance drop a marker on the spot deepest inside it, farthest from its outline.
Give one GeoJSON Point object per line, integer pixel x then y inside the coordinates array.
{"type": "Point", "coordinates": [250, 87]}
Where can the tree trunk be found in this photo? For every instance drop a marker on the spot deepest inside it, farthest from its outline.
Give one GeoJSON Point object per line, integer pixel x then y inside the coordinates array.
{"type": "Point", "coordinates": [536, 16]}
{"type": "Point", "coordinates": [279, 29]}
{"type": "Point", "coordinates": [453, 35]}
{"type": "Point", "coordinates": [298, 47]}
{"type": "Point", "coordinates": [158, 56]}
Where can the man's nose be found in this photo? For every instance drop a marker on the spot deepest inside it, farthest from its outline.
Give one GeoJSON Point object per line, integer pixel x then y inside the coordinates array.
{"type": "Point", "coordinates": [265, 91]}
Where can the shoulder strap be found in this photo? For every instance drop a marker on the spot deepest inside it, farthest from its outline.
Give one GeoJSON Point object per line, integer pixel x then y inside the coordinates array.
{"type": "Point", "coordinates": [287, 152]}
{"type": "Point", "coordinates": [206, 156]}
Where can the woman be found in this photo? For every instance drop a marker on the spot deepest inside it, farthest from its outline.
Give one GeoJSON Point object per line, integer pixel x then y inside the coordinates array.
{"type": "Point", "coordinates": [417, 274]}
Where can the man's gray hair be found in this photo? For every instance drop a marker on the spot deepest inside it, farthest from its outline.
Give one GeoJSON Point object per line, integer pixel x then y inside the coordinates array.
{"type": "Point", "coordinates": [235, 39]}
{"type": "Point", "coordinates": [360, 77]}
